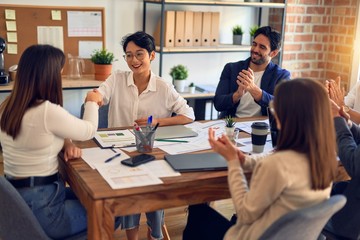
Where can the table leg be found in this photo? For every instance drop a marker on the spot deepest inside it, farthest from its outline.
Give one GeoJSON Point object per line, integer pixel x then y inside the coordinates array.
{"type": "Point", "coordinates": [97, 229]}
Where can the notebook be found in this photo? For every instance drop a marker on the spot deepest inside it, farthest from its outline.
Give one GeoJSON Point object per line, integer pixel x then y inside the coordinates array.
{"type": "Point", "coordinates": [176, 131]}
{"type": "Point", "coordinates": [196, 162]}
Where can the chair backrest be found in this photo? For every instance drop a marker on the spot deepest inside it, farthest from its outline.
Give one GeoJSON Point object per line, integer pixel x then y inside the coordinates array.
{"type": "Point", "coordinates": [103, 115]}
{"type": "Point", "coordinates": [305, 223]}
{"type": "Point", "coordinates": [16, 218]}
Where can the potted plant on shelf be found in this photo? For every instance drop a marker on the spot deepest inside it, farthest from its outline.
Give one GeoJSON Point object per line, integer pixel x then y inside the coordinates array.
{"type": "Point", "coordinates": [229, 127]}
{"type": "Point", "coordinates": [252, 31]}
{"type": "Point", "coordinates": [237, 34]}
{"type": "Point", "coordinates": [102, 60]}
{"type": "Point", "coordinates": [179, 74]}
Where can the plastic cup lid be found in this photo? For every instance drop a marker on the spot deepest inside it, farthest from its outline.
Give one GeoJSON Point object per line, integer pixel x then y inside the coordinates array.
{"type": "Point", "coordinates": [260, 125]}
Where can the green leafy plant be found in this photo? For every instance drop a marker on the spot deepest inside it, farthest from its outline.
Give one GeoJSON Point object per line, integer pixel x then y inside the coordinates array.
{"type": "Point", "coordinates": [192, 85]}
{"type": "Point", "coordinates": [229, 121]}
{"type": "Point", "coordinates": [102, 56]}
{"type": "Point", "coordinates": [253, 29]}
{"type": "Point", "coordinates": [179, 72]}
{"type": "Point", "coordinates": [237, 30]}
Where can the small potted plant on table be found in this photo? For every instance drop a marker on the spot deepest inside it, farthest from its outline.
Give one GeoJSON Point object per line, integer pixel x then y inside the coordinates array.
{"type": "Point", "coordinates": [229, 127]}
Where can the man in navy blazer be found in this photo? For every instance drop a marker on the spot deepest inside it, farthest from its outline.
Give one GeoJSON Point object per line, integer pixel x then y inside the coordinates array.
{"type": "Point", "coordinates": [246, 87]}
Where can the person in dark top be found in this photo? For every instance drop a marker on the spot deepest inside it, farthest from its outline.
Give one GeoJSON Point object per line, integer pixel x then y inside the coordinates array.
{"type": "Point", "coordinates": [345, 223]}
{"type": "Point", "coordinates": [246, 87]}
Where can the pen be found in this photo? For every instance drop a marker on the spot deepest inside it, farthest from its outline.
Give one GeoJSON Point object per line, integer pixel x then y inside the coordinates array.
{"type": "Point", "coordinates": [137, 128]}
{"type": "Point", "coordinates": [149, 122]}
{"type": "Point", "coordinates": [171, 140]}
{"type": "Point", "coordinates": [112, 158]}
{"type": "Point", "coordinates": [156, 126]}
{"type": "Point", "coordinates": [139, 134]}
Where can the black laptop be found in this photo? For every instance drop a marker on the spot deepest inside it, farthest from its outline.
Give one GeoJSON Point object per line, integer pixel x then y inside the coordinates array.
{"type": "Point", "coordinates": [196, 162]}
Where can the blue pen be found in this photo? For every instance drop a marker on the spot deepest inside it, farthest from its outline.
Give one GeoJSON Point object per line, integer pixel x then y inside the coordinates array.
{"type": "Point", "coordinates": [112, 158]}
{"type": "Point", "coordinates": [149, 121]}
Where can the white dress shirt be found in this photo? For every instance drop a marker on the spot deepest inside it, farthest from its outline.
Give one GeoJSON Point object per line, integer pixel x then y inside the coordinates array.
{"type": "Point", "coordinates": [352, 99]}
{"type": "Point", "coordinates": [159, 99]}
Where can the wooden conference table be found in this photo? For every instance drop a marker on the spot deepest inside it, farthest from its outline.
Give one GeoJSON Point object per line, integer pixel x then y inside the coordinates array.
{"type": "Point", "coordinates": [104, 203]}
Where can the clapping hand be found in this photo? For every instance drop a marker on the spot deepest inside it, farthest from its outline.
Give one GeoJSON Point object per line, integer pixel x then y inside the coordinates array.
{"type": "Point", "coordinates": [335, 92]}
{"type": "Point", "coordinates": [225, 147]}
{"type": "Point", "coordinates": [246, 80]}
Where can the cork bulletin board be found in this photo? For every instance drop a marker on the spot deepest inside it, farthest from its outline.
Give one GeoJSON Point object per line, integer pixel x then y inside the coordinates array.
{"type": "Point", "coordinates": [27, 19]}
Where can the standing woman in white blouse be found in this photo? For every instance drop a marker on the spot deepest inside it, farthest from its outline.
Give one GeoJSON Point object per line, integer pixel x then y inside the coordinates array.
{"type": "Point", "coordinates": [34, 126]}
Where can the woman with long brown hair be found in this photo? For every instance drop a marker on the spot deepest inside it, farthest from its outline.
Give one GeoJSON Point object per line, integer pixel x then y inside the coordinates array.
{"type": "Point", "coordinates": [34, 127]}
{"type": "Point", "coordinates": [297, 175]}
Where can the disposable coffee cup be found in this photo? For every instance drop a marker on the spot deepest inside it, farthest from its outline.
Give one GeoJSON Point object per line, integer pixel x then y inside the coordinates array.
{"type": "Point", "coordinates": [144, 140]}
{"type": "Point", "coordinates": [259, 131]}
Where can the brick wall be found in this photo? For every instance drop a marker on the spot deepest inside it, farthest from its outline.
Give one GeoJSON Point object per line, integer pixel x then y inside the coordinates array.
{"type": "Point", "coordinates": [319, 38]}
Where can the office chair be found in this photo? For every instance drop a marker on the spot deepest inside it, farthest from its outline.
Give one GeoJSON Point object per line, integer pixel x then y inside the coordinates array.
{"type": "Point", "coordinates": [103, 115]}
{"type": "Point", "coordinates": [306, 223]}
{"type": "Point", "coordinates": [17, 222]}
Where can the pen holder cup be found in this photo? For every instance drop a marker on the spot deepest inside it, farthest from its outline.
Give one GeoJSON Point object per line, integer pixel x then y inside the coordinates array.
{"type": "Point", "coordinates": [144, 140]}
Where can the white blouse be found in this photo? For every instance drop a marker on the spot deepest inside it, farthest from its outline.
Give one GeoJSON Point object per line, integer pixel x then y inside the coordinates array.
{"type": "Point", "coordinates": [159, 99]}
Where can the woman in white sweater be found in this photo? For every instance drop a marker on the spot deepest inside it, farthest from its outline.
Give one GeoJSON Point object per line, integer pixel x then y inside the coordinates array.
{"type": "Point", "coordinates": [34, 127]}
{"type": "Point", "coordinates": [297, 175]}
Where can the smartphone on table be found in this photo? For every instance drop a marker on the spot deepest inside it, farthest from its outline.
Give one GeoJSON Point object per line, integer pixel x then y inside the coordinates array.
{"type": "Point", "coordinates": [137, 160]}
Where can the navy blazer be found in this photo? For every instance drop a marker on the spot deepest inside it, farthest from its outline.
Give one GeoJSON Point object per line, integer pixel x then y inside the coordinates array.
{"type": "Point", "coordinates": [227, 86]}
{"type": "Point", "coordinates": [345, 223]}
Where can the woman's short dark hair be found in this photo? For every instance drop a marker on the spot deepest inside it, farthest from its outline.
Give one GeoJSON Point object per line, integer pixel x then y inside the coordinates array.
{"type": "Point", "coordinates": [273, 36]}
{"type": "Point", "coordinates": [141, 39]}
{"type": "Point", "coordinates": [38, 79]}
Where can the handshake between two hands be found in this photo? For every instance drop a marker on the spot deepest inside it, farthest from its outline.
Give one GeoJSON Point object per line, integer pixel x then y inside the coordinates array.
{"type": "Point", "coordinates": [94, 96]}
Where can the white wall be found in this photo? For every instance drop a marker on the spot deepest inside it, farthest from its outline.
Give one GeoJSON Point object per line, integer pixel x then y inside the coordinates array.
{"type": "Point", "coordinates": [125, 16]}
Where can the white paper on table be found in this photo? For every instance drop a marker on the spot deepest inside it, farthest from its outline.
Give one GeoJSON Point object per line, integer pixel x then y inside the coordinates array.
{"type": "Point", "coordinates": [197, 143]}
{"type": "Point", "coordinates": [97, 156]}
{"type": "Point", "coordinates": [121, 176]}
{"type": "Point", "coordinates": [160, 168]}
{"type": "Point", "coordinates": [129, 149]}
{"type": "Point", "coordinates": [246, 126]}
{"type": "Point", "coordinates": [184, 148]}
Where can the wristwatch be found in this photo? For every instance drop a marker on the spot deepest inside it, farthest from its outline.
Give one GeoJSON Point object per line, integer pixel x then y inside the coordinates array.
{"type": "Point", "coordinates": [346, 108]}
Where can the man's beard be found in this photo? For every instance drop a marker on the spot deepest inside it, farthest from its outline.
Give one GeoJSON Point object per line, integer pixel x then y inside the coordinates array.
{"type": "Point", "coordinates": [259, 61]}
